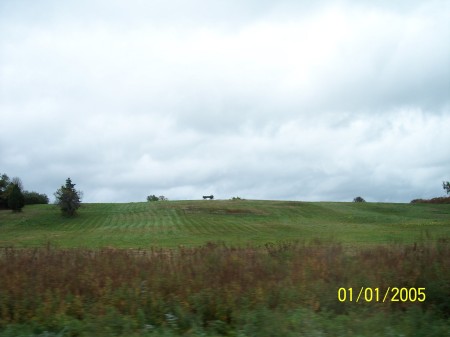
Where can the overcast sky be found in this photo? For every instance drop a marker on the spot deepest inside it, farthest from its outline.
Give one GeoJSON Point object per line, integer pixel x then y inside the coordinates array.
{"type": "Point", "coordinates": [295, 100]}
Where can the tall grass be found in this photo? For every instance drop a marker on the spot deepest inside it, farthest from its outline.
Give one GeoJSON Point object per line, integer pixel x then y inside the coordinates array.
{"type": "Point", "coordinates": [272, 290]}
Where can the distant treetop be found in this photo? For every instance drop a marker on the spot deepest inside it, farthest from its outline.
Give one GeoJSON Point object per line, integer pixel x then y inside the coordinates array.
{"type": "Point", "coordinates": [446, 186]}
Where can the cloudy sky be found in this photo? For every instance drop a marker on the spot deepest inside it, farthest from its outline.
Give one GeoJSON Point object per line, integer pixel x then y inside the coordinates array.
{"type": "Point", "coordinates": [295, 100]}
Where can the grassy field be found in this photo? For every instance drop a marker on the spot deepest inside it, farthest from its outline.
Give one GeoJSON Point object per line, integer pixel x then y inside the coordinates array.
{"type": "Point", "coordinates": [192, 223]}
{"type": "Point", "coordinates": [225, 268]}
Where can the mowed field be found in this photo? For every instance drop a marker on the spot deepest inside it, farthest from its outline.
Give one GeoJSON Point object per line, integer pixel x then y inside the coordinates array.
{"type": "Point", "coordinates": [240, 223]}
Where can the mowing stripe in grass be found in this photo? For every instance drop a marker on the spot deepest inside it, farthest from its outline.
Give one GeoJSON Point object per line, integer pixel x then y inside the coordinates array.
{"type": "Point", "coordinates": [195, 222]}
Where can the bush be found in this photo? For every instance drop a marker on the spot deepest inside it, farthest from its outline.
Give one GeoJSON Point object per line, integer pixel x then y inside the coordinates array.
{"type": "Point", "coordinates": [358, 199]}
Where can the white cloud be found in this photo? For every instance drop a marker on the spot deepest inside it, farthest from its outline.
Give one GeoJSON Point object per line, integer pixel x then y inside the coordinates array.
{"type": "Point", "coordinates": [263, 99]}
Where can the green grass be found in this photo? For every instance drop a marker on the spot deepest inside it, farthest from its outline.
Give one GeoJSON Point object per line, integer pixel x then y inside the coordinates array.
{"type": "Point", "coordinates": [193, 223]}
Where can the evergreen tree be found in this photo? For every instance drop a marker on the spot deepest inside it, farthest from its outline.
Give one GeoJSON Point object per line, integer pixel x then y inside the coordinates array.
{"type": "Point", "coordinates": [16, 200]}
{"type": "Point", "coordinates": [68, 198]}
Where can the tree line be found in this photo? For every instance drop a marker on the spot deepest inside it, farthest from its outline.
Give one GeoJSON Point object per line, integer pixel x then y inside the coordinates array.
{"type": "Point", "coordinates": [14, 197]}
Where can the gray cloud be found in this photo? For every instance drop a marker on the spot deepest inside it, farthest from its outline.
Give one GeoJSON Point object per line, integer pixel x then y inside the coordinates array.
{"type": "Point", "coordinates": [259, 99]}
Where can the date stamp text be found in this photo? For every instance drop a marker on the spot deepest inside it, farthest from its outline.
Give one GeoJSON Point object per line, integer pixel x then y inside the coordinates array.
{"type": "Point", "coordinates": [391, 294]}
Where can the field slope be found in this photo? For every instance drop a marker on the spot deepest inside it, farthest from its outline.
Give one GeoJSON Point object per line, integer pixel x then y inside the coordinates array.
{"type": "Point", "coordinates": [191, 223]}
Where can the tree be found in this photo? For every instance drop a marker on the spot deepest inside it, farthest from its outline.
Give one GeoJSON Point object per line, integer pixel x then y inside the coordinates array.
{"type": "Point", "coordinates": [155, 198]}
{"type": "Point", "coordinates": [4, 183]}
{"type": "Point", "coordinates": [68, 198]}
{"type": "Point", "coordinates": [16, 200]}
{"type": "Point", "coordinates": [358, 199]}
{"type": "Point", "coordinates": [446, 186]}
{"type": "Point", "coordinates": [11, 189]}
{"type": "Point", "coordinates": [152, 198]}
{"type": "Point", "coordinates": [17, 181]}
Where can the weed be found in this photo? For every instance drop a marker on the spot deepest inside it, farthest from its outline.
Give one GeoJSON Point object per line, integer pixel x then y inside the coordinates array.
{"type": "Point", "coordinates": [216, 289]}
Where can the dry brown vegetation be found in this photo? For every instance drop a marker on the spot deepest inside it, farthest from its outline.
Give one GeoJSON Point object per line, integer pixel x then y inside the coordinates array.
{"type": "Point", "coordinates": [437, 200]}
{"type": "Point", "coordinates": [212, 286]}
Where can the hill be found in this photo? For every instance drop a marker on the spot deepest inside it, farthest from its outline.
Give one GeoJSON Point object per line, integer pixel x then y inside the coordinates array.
{"type": "Point", "coordinates": [243, 222]}
{"type": "Point", "coordinates": [359, 285]}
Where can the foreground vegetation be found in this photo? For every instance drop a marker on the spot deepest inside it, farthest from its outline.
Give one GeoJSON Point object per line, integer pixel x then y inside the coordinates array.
{"type": "Point", "coordinates": [238, 222]}
{"type": "Point", "coordinates": [150, 269]}
{"type": "Point", "coordinates": [280, 289]}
